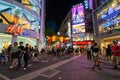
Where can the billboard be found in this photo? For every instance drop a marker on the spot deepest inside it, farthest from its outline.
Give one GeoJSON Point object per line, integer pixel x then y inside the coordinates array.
{"type": "Point", "coordinates": [78, 14]}
{"type": "Point", "coordinates": [78, 28]}
{"type": "Point", "coordinates": [78, 23]}
{"type": "Point", "coordinates": [109, 18]}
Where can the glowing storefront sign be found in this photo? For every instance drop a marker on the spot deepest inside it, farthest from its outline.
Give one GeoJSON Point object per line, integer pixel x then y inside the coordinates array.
{"type": "Point", "coordinates": [82, 43]}
{"type": "Point", "coordinates": [110, 23]}
{"type": "Point", "coordinates": [12, 29]}
{"type": "Point", "coordinates": [109, 18]}
{"type": "Point", "coordinates": [88, 4]}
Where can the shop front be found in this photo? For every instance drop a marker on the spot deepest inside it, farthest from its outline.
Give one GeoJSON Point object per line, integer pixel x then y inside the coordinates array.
{"type": "Point", "coordinates": [107, 23]}
{"type": "Point", "coordinates": [9, 37]}
{"type": "Point", "coordinates": [19, 22]}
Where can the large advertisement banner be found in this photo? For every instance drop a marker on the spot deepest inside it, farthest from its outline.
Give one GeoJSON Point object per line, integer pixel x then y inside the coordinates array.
{"type": "Point", "coordinates": [78, 14]}
{"type": "Point", "coordinates": [109, 18]}
{"type": "Point", "coordinates": [78, 22]}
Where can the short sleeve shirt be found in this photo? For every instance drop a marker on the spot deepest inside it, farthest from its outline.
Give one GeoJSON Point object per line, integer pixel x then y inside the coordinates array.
{"type": "Point", "coordinates": [115, 48]}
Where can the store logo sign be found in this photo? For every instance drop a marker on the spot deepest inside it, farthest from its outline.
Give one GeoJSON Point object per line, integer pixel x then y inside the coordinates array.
{"type": "Point", "coordinates": [110, 23]}
{"type": "Point", "coordinates": [13, 29]}
{"type": "Point", "coordinates": [111, 13]}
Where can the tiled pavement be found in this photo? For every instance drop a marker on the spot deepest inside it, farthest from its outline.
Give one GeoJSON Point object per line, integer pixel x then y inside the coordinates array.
{"type": "Point", "coordinates": [80, 69]}
{"type": "Point", "coordinates": [72, 69]}
{"type": "Point", "coordinates": [13, 73]}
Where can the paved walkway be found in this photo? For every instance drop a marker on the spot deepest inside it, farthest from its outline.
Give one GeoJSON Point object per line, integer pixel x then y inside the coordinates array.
{"type": "Point", "coordinates": [80, 69]}
{"type": "Point", "coordinates": [77, 68]}
{"type": "Point", "coordinates": [8, 74]}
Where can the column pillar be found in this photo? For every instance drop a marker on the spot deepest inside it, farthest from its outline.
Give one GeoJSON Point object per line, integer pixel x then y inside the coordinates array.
{"type": "Point", "coordinates": [14, 39]}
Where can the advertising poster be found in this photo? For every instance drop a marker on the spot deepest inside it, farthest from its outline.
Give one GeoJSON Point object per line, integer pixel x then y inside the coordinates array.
{"type": "Point", "coordinates": [78, 23]}
{"type": "Point", "coordinates": [78, 14]}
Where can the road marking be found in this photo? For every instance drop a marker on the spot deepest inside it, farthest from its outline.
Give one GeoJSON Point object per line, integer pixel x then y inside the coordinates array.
{"type": "Point", "coordinates": [35, 74]}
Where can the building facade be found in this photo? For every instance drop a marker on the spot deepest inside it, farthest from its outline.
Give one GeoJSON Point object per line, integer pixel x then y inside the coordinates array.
{"type": "Point", "coordinates": [107, 23]}
{"type": "Point", "coordinates": [22, 20]}
{"type": "Point", "coordinates": [66, 27]}
{"type": "Point", "coordinates": [74, 26]}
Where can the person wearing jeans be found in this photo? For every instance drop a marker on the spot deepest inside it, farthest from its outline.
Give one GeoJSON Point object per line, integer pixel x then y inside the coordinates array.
{"type": "Point", "coordinates": [20, 51]}
{"type": "Point", "coordinates": [26, 56]}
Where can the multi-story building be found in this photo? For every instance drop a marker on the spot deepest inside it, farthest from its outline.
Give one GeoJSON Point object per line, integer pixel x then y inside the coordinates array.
{"type": "Point", "coordinates": [22, 20]}
{"type": "Point", "coordinates": [107, 22]}
{"type": "Point", "coordinates": [65, 27]}
{"type": "Point", "coordinates": [74, 26]}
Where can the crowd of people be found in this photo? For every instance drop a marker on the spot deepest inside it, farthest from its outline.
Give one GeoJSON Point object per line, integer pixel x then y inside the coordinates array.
{"type": "Point", "coordinates": [111, 53]}
{"type": "Point", "coordinates": [19, 53]}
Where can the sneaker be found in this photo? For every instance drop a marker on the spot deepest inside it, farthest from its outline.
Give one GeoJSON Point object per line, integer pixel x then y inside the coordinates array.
{"type": "Point", "coordinates": [11, 67]}
{"type": "Point", "coordinates": [24, 68]}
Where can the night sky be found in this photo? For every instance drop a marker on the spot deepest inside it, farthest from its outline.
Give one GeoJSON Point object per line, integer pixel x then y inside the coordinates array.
{"type": "Point", "coordinates": [58, 9]}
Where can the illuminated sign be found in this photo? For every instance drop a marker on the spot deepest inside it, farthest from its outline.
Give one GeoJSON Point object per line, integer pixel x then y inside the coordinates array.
{"type": "Point", "coordinates": [77, 14]}
{"type": "Point", "coordinates": [78, 28]}
{"type": "Point", "coordinates": [25, 34]}
{"type": "Point", "coordinates": [12, 29]}
{"type": "Point", "coordinates": [110, 17]}
{"type": "Point", "coordinates": [110, 23]}
{"type": "Point", "coordinates": [88, 4]}
{"type": "Point", "coordinates": [111, 13]}
{"type": "Point", "coordinates": [82, 43]}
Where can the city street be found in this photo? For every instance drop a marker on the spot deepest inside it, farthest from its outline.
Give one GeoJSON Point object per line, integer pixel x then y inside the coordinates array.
{"type": "Point", "coordinates": [77, 68]}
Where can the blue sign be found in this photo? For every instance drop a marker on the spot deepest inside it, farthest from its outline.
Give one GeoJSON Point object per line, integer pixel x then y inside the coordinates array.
{"type": "Point", "coordinates": [111, 13]}
{"type": "Point", "coordinates": [110, 23]}
{"type": "Point", "coordinates": [25, 34]}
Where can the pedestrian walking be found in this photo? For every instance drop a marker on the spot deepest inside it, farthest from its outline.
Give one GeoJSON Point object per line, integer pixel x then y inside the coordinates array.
{"type": "Point", "coordinates": [96, 57]}
{"type": "Point", "coordinates": [26, 56]}
{"type": "Point", "coordinates": [116, 55]}
{"type": "Point", "coordinates": [8, 52]}
{"type": "Point", "coordinates": [108, 52]}
{"type": "Point", "coordinates": [88, 49]}
{"type": "Point", "coordinates": [20, 54]}
{"type": "Point", "coordinates": [14, 55]}
{"type": "Point", "coordinates": [36, 52]}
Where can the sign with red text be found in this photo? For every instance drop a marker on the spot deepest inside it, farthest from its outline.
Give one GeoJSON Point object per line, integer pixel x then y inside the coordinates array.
{"type": "Point", "coordinates": [13, 29]}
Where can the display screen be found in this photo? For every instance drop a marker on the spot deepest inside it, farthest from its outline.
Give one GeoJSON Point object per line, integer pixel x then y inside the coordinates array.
{"type": "Point", "coordinates": [78, 28]}
{"type": "Point", "coordinates": [78, 14]}
{"type": "Point", "coordinates": [78, 23]}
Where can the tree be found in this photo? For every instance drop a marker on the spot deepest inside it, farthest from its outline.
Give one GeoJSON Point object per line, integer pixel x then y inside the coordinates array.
{"type": "Point", "coordinates": [49, 32]}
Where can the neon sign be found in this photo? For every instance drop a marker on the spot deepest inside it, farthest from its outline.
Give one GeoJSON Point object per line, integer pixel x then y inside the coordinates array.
{"type": "Point", "coordinates": [111, 14]}
{"type": "Point", "coordinates": [88, 4]}
{"type": "Point", "coordinates": [12, 29]}
{"type": "Point", "coordinates": [110, 23]}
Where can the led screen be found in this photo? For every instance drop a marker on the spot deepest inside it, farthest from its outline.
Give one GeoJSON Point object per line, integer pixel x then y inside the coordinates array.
{"type": "Point", "coordinates": [78, 28]}
{"type": "Point", "coordinates": [78, 14]}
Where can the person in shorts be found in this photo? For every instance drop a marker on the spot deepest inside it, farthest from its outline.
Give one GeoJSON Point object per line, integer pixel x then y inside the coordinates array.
{"type": "Point", "coordinates": [14, 55]}
{"type": "Point", "coordinates": [96, 57]}
{"type": "Point", "coordinates": [116, 54]}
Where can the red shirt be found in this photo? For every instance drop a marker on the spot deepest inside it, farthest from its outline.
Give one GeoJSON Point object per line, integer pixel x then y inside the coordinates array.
{"type": "Point", "coordinates": [115, 48]}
